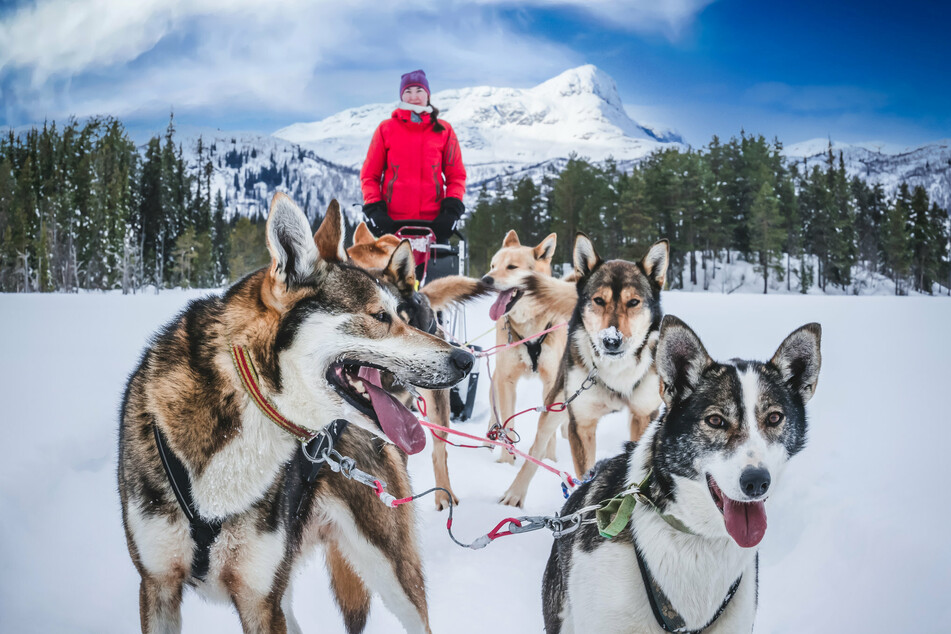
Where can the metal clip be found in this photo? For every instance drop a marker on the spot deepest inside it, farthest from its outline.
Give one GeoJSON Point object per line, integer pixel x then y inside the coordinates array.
{"type": "Point", "coordinates": [561, 526]}
{"type": "Point", "coordinates": [529, 524]}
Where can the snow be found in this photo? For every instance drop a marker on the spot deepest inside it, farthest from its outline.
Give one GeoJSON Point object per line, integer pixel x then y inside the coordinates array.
{"type": "Point", "coordinates": [856, 538]}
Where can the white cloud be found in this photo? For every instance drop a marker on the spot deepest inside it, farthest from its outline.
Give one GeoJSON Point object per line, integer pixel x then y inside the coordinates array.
{"type": "Point", "coordinates": [288, 56]}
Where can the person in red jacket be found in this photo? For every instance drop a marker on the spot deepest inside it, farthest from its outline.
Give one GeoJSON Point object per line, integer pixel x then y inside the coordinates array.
{"type": "Point", "coordinates": [413, 173]}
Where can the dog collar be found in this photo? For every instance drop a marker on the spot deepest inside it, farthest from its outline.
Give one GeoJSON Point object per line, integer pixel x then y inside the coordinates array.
{"type": "Point", "coordinates": [615, 513]}
{"type": "Point", "coordinates": [249, 378]}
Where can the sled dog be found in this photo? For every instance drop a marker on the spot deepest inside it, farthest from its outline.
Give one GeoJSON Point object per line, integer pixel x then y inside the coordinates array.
{"type": "Point", "coordinates": [322, 336]}
{"type": "Point", "coordinates": [611, 337]}
{"type": "Point", "coordinates": [516, 320]}
{"type": "Point", "coordinates": [391, 262]}
{"type": "Point", "coordinates": [684, 557]}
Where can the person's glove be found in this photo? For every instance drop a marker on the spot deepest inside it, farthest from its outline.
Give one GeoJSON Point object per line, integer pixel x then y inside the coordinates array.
{"type": "Point", "coordinates": [450, 211]}
{"type": "Point", "coordinates": [377, 218]}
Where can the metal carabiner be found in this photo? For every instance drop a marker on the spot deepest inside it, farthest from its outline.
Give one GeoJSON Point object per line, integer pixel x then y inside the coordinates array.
{"type": "Point", "coordinates": [528, 524]}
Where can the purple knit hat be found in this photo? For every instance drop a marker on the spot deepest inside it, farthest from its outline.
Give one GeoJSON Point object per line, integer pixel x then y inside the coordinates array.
{"type": "Point", "coordinates": [414, 78]}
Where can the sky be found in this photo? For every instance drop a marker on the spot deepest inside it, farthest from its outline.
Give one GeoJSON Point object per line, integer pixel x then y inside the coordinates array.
{"type": "Point", "coordinates": [850, 71]}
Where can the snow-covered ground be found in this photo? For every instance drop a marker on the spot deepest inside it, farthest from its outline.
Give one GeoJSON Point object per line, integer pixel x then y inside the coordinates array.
{"type": "Point", "coordinates": [856, 539]}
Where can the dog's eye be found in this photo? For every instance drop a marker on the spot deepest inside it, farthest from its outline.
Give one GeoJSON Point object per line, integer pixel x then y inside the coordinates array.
{"type": "Point", "coordinates": [633, 302]}
{"type": "Point", "coordinates": [774, 418]}
{"type": "Point", "coordinates": [716, 421]}
{"type": "Point", "coordinates": [511, 266]}
{"type": "Point", "coordinates": [382, 317]}
{"type": "Point", "coordinates": [598, 301]}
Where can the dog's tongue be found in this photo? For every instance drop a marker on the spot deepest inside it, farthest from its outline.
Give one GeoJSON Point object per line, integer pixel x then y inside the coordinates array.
{"type": "Point", "coordinates": [498, 307]}
{"type": "Point", "coordinates": [398, 423]}
{"type": "Point", "coordinates": [745, 521]}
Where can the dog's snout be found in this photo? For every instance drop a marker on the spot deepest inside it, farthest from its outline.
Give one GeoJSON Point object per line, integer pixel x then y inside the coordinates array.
{"type": "Point", "coordinates": [462, 360]}
{"type": "Point", "coordinates": [754, 481]}
{"type": "Point", "coordinates": [487, 280]}
{"type": "Point", "coordinates": [611, 344]}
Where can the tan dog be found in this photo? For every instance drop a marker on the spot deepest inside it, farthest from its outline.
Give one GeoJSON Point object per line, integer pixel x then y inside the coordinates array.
{"type": "Point", "coordinates": [514, 321]}
{"type": "Point", "coordinates": [391, 261]}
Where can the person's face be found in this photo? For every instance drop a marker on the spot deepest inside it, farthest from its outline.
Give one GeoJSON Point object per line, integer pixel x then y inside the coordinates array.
{"type": "Point", "coordinates": [415, 95]}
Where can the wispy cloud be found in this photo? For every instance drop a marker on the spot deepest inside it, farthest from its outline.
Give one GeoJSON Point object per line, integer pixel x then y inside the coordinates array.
{"type": "Point", "coordinates": [60, 57]}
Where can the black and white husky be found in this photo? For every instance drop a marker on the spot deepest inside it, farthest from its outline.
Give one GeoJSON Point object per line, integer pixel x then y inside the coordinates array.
{"type": "Point", "coordinates": [686, 560]}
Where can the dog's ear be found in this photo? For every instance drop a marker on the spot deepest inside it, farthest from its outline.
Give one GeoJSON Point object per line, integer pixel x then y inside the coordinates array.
{"type": "Point", "coordinates": [798, 359]}
{"type": "Point", "coordinates": [680, 359]}
{"type": "Point", "coordinates": [294, 255]}
{"type": "Point", "coordinates": [586, 259]}
{"type": "Point", "coordinates": [511, 239]}
{"type": "Point", "coordinates": [329, 236]}
{"type": "Point", "coordinates": [546, 247]}
{"type": "Point", "coordinates": [362, 235]}
{"type": "Point", "coordinates": [656, 261]}
{"type": "Point", "coordinates": [401, 269]}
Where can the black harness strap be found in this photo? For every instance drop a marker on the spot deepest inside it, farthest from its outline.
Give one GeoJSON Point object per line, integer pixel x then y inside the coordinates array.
{"type": "Point", "coordinates": [667, 617]}
{"type": "Point", "coordinates": [203, 532]}
{"type": "Point", "coordinates": [534, 346]}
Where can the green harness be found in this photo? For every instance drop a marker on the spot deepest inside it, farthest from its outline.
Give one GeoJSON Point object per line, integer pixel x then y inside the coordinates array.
{"type": "Point", "coordinates": [615, 513]}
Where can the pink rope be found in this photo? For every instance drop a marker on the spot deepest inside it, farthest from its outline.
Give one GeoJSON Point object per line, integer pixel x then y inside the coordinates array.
{"type": "Point", "coordinates": [496, 349]}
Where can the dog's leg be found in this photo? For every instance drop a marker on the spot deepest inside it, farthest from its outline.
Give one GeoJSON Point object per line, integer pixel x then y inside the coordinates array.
{"type": "Point", "coordinates": [258, 611]}
{"type": "Point", "coordinates": [548, 423]}
{"type": "Point", "coordinates": [506, 379]}
{"type": "Point", "coordinates": [548, 379]}
{"type": "Point", "coordinates": [287, 605]}
{"type": "Point", "coordinates": [581, 437]}
{"type": "Point", "coordinates": [381, 547]}
{"type": "Point", "coordinates": [437, 403]}
{"type": "Point", "coordinates": [160, 604]}
{"type": "Point", "coordinates": [351, 594]}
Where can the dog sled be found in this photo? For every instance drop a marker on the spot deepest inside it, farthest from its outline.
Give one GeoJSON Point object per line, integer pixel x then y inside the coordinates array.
{"type": "Point", "coordinates": [435, 260]}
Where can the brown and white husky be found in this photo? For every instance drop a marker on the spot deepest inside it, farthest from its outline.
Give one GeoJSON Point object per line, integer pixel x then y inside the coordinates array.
{"type": "Point", "coordinates": [322, 335]}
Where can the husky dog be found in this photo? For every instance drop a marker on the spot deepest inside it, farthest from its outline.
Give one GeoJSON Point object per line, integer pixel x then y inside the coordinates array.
{"type": "Point", "coordinates": [391, 262]}
{"type": "Point", "coordinates": [685, 558]}
{"type": "Point", "coordinates": [322, 336]}
{"type": "Point", "coordinates": [611, 338]}
{"type": "Point", "coordinates": [515, 321]}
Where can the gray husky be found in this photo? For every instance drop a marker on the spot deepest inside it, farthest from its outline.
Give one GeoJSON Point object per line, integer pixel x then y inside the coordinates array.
{"type": "Point", "coordinates": [676, 550]}
{"type": "Point", "coordinates": [246, 509]}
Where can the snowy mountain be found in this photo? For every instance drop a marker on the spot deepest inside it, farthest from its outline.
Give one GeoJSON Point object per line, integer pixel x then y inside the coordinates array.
{"type": "Point", "coordinates": [506, 130]}
{"type": "Point", "coordinates": [505, 133]}
{"type": "Point", "coordinates": [928, 165]}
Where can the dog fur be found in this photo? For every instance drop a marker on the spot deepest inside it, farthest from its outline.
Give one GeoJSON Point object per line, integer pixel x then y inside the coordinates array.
{"type": "Point", "coordinates": [391, 261]}
{"type": "Point", "coordinates": [719, 426]}
{"type": "Point", "coordinates": [614, 329]}
{"type": "Point", "coordinates": [299, 319]}
{"type": "Point", "coordinates": [521, 319]}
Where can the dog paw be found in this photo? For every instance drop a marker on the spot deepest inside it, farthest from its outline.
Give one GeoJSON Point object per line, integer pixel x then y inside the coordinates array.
{"type": "Point", "coordinates": [513, 498]}
{"type": "Point", "coordinates": [506, 458]}
{"type": "Point", "coordinates": [442, 500]}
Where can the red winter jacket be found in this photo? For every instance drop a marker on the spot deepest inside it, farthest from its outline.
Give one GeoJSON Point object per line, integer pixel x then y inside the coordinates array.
{"type": "Point", "coordinates": [412, 168]}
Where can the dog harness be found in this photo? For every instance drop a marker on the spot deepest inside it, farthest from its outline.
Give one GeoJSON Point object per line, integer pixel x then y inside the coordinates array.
{"type": "Point", "coordinates": [534, 346]}
{"type": "Point", "coordinates": [204, 532]}
{"type": "Point", "coordinates": [613, 517]}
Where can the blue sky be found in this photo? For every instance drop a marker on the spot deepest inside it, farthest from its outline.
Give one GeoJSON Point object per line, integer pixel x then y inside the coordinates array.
{"type": "Point", "coordinates": [852, 71]}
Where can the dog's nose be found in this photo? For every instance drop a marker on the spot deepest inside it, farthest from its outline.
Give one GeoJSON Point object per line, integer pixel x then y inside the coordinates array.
{"type": "Point", "coordinates": [754, 481]}
{"type": "Point", "coordinates": [461, 360]}
{"type": "Point", "coordinates": [487, 280]}
{"type": "Point", "coordinates": [611, 344]}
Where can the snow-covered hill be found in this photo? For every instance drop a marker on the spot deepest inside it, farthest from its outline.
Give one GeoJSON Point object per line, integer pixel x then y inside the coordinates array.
{"type": "Point", "coordinates": [928, 165]}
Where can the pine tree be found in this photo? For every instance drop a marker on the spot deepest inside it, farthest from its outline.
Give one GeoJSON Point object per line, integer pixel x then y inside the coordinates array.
{"type": "Point", "coordinates": [897, 256]}
{"type": "Point", "coordinates": [221, 242]}
{"type": "Point", "coordinates": [766, 231]}
{"type": "Point", "coordinates": [247, 248]}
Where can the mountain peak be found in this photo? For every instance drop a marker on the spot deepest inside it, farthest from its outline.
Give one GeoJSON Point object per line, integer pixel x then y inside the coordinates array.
{"type": "Point", "coordinates": [586, 79]}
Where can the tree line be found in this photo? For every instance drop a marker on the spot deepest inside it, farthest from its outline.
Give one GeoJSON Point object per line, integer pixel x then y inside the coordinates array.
{"type": "Point", "coordinates": [804, 227]}
{"type": "Point", "coordinates": [82, 208]}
